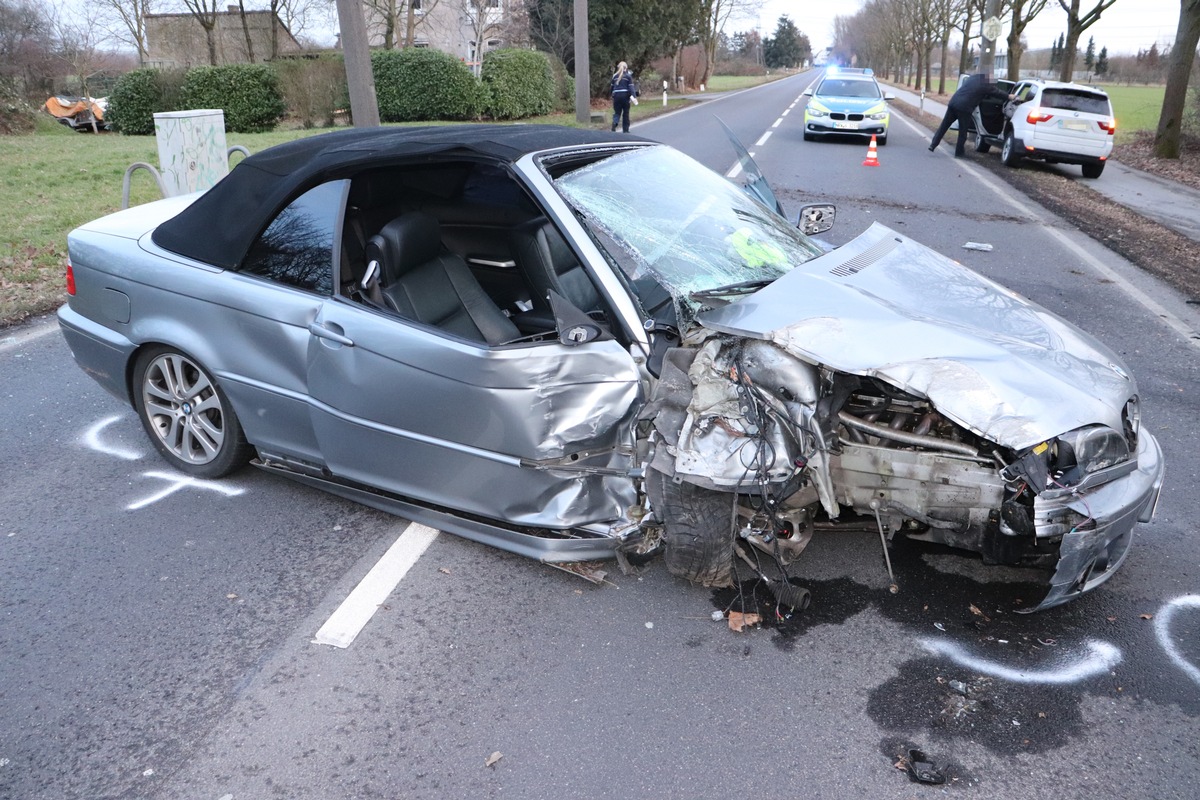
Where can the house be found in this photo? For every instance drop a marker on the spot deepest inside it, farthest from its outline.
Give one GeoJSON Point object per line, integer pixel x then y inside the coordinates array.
{"type": "Point", "coordinates": [465, 29]}
{"type": "Point", "coordinates": [180, 40]}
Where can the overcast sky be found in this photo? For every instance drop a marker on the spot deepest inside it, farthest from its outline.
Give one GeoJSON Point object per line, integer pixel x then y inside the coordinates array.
{"type": "Point", "coordinates": [1126, 27]}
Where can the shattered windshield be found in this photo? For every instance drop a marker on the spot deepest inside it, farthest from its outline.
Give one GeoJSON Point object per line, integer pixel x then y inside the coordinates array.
{"type": "Point", "coordinates": [682, 224]}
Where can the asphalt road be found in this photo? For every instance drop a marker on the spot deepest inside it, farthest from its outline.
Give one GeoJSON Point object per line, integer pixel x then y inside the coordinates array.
{"type": "Point", "coordinates": [157, 635]}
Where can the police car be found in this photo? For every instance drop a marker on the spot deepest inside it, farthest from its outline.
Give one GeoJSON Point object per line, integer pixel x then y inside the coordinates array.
{"type": "Point", "coordinates": [846, 101]}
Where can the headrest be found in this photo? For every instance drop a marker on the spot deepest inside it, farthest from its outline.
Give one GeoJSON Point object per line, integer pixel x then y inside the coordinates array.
{"type": "Point", "coordinates": [404, 243]}
{"type": "Point", "coordinates": [546, 243]}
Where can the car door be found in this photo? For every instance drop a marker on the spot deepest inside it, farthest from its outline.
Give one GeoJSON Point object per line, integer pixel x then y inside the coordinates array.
{"type": "Point", "coordinates": [535, 433]}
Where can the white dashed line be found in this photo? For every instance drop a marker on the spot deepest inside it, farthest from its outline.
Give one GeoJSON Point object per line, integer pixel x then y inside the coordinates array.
{"type": "Point", "coordinates": [356, 610]}
{"type": "Point", "coordinates": [777, 122]}
{"type": "Point", "coordinates": [763, 139]}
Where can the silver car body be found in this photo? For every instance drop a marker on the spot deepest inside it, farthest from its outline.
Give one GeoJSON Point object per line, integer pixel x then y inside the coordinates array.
{"type": "Point", "coordinates": [540, 445]}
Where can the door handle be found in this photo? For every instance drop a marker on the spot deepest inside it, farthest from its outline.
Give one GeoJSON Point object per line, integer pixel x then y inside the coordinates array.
{"type": "Point", "coordinates": [321, 332]}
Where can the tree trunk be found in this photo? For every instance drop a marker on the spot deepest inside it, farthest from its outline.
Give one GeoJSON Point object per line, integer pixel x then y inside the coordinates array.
{"type": "Point", "coordinates": [211, 40]}
{"type": "Point", "coordinates": [964, 56]}
{"type": "Point", "coordinates": [945, 55]}
{"type": "Point", "coordinates": [1068, 56]}
{"type": "Point", "coordinates": [1187, 35]}
{"type": "Point", "coordinates": [246, 32]}
{"type": "Point", "coordinates": [1014, 52]}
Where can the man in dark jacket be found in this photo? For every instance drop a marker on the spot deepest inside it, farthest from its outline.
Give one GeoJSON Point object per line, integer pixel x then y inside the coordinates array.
{"type": "Point", "coordinates": [971, 92]}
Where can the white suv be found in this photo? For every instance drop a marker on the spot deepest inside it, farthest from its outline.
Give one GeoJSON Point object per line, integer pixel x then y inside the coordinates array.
{"type": "Point", "coordinates": [1059, 123]}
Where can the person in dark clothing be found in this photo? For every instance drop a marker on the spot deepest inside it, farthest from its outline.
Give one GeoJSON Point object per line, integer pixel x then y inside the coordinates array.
{"type": "Point", "coordinates": [624, 91]}
{"type": "Point", "coordinates": [970, 94]}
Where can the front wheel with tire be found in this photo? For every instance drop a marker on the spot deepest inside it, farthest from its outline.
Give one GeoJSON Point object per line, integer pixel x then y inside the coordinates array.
{"type": "Point", "coordinates": [1093, 170]}
{"type": "Point", "coordinates": [187, 416]}
{"type": "Point", "coordinates": [698, 535]}
{"type": "Point", "coordinates": [881, 141]}
{"type": "Point", "coordinates": [808, 137]}
{"type": "Point", "coordinates": [982, 145]}
{"type": "Point", "coordinates": [1009, 154]}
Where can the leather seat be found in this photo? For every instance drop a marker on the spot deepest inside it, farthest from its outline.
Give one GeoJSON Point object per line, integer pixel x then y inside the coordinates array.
{"type": "Point", "coordinates": [424, 282]}
{"type": "Point", "coordinates": [547, 262]}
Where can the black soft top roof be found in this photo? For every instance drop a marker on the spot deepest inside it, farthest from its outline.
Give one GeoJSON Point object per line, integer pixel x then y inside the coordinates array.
{"type": "Point", "coordinates": [219, 227]}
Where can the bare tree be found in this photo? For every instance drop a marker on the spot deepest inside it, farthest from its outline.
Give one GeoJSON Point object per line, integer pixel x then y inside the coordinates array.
{"type": "Point", "coordinates": [205, 13]}
{"type": "Point", "coordinates": [26, 45]}
{"type": "Point", "coordinates": [484, 19]}
{"type": "Point", "coordinates": [130, 19]}
{"type": "Point", "coordinates": [80, 38]}
{"type": "Point", "coordinates": [1183, 54]}
{"type": "Point", "coordinates": [1076, 25]}
{"type": "Point", "coordinates": [246, 32]}
{"type": "Point", "coordinates": [974, 10]}
{"type": "Point", "coordinates": [714, 14]}
{"type": "Point", "coordinates": [1023, 12]}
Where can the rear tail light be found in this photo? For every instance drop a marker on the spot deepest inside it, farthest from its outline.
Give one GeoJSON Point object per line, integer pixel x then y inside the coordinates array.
{"type": "Point", "coordinates": [1108, 125]}
{"type": "Point", "coordinates": [70, 279]}
{"type": "Point", "coordinates": [1037, 115]}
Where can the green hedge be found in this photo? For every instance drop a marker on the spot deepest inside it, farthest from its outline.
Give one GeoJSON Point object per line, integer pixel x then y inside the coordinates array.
{"type": "Point", "coordinates": [135, 98]}
{"type": "Point", "coordinates": [417, 84]}
{"type": "Point", "coordinates": [247, 93]}
{"type": "Point", "coordinates": [520, 83]}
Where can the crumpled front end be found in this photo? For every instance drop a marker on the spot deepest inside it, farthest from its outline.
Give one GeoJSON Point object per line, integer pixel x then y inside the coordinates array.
{"type": "Point", "coordinates": [807, 447]}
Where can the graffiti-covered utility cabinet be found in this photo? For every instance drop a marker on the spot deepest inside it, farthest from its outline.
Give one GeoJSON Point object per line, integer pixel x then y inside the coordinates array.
{"type": "Point", "coordinates": [191, 149]}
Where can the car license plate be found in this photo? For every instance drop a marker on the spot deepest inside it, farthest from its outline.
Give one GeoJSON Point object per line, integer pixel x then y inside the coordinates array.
{"type": "Point", "coordinates": [853, 126]}
{"type": "Point", "coordinates": [1074, 125]}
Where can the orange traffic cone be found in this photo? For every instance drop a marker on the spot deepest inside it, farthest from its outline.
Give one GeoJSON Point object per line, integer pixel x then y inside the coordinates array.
{"type": "Point", "coordinates": [872, 154]}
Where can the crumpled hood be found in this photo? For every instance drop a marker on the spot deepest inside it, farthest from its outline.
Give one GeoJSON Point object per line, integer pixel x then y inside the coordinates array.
{"type": "Point", "coordinates": [992, 361]}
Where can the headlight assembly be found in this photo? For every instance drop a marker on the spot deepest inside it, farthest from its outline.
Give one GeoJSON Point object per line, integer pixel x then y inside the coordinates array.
{"type": "Point", "coordinates": [877, 113]}
{"type": "Point", "coordinates": [814, 109]}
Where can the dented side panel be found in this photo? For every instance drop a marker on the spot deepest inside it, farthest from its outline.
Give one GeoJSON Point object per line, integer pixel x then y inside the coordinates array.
{"type": "Point", "coordinates": [455, 423]}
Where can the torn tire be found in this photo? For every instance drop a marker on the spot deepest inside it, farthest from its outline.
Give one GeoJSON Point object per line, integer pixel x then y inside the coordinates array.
{"type": "Point", "coordinates": [698, 536]}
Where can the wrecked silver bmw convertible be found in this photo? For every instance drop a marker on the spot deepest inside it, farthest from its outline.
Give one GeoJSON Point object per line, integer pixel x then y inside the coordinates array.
{"type": "Point", "coordinates": [573, 345]}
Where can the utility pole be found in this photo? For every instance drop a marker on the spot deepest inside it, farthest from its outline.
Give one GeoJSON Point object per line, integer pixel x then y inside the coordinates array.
{"type": "Point", "coordinates": [364, 107]}
{"type": "Point", "coordinates": [992, 30]}
{"type": "Point", "coordinates": [583, 70]}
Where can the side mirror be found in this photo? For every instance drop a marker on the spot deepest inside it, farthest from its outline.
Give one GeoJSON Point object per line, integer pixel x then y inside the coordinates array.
{"type": "Point", "coordinates": [574, 327]}
{"type": "Point", "coordinates": [889, 96]}
{"type": "Point", "coordinates": [807, 92]}
{"type": "Point", "coordinates": [816, 218]}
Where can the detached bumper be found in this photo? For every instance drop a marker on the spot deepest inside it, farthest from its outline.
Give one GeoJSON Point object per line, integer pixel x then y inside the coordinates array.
{"type": "Point", "coordinates": [1106, 517]}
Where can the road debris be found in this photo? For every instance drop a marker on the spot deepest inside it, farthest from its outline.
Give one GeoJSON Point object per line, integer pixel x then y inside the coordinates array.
{"type": "Point", "coordinates": [493, 758]}
{"type": "Point", "coordinates": [921, 768]}
{"type": "Point", "coordinates": [738, 620]}
{"type": "Point", "coordinates": [982, 247]}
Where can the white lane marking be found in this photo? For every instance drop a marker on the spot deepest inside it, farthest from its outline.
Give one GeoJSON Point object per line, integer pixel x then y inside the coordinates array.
{"type": "Point", "coordinates": [1004, 192]}
{"type": "Point", "coordinates": [734, 171]}
{"type": "Point", "coordinates": [786, 111]}
{"type": "Point", "coordinates": [28, 335]}
{"type": "Point", "coordinates": [776, 125]}
{"type": "Point", "coordinates": [763, 139]}
{"type": "Point", "coordinates": [92, 439]}
{"type": "Point", "coordinates": [1162, 628]}
{"type": "Point", "coordinates": [1101, 658]}
{"type": "Point", "coordinates": [177, 482]}
{"type": "Point", "coordinates": [356, 610]}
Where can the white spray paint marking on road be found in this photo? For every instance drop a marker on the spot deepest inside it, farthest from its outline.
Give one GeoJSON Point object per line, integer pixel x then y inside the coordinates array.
{"type": "Point", "coordinates": [92, 439]}
{"type": "Point", "coordinates": [344, 625]}
{"type": "Point", "coordinates": [178, 482]}
{"type": "Point", "coordinates": [1162, 628]}
{"type": "Point", "coordinates": [1101, 658]}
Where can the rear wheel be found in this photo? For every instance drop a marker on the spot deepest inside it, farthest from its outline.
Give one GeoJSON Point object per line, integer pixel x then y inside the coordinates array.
{"type": "Point", "coordinates": [187, 416]}
{"type": "Point", "coordinates": [1093, 170]}
{"type": "Point", "coordinates": [1009, 154]}
{"type": "Point", "coordinates": [698, 536]}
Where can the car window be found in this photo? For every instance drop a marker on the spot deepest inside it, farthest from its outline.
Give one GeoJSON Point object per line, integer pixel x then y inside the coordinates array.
{"type": "Point", "coordinates": [704, 233]}
{"type": "Point", "coordinates": [1075, 100]}
{"type": "Point", "coordinates": [1024, 92]}
{"type": "Point", "coordinates": [296, 249]}
{"type": "Point", "coordinates": [844, 87]}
